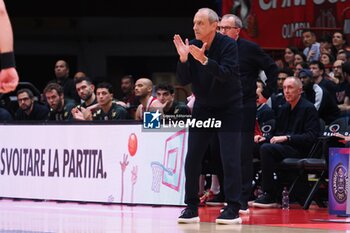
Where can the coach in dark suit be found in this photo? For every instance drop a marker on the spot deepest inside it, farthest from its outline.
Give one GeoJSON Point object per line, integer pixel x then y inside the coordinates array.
{"type": "Point", "coordinates": [210, 64]}
{"type": "Point", "coordinates": [297, 129]}
{"type": "Point", "coordinates": [252, 61]}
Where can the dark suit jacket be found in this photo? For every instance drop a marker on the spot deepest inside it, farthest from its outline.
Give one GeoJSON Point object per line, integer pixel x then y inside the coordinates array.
{"type": "Point", "coordinates": [216, 84]}
{"type": "Point", "coordinates": [38, 113]}
{"type": "Point", "coordinates": [252, 59]}
{"type": "Point", "coordinates": [302, 124]}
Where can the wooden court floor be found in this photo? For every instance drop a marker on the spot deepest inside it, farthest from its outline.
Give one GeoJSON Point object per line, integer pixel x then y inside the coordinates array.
{"type": "Point", "coordinates": [25, 216]}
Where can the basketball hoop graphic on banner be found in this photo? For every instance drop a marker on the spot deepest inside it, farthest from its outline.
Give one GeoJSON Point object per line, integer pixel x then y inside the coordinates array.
{"type": "Point", "coordinates": [157, 174]}
{"type": "Point", "coordinates": [172, 163]}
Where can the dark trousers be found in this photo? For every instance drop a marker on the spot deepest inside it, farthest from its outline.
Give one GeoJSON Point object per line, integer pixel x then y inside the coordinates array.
{"type": "Point", "coordinates": [247, 147]}
{"type": "Point", "coordinates": [248, 126]}
{"type": "Point", "coordinates": [229, 136]}
{"type": "Point", "coordinates": [212, 161]}
{"type": "Point", "coordinates": [271, 155]}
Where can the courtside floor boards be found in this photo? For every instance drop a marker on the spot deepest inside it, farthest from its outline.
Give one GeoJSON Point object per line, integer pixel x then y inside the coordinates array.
{"type": "Point", "coordinates": [45, 217]}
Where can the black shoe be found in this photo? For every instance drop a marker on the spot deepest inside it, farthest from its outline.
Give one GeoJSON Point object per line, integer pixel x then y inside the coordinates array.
{"type": "Point", "coordinates": [229, 216]}
{"type": "Point", "coordinates": [266, 201]}
{"type": "Point", "coordinates": [189, 215]}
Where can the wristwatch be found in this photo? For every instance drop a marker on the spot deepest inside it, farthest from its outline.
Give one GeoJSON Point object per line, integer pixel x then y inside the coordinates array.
{"type": "Point", "coordinates": [205, 62]}
{"type": "Point", "coordinates": [289, 138]}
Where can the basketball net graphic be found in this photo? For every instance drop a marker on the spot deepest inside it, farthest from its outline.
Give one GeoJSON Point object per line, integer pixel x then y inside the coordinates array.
{"type": "Point", "coordinates": [157, 173]}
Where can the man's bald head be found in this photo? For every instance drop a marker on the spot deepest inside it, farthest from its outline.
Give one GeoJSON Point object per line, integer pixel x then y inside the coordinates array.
{"type": "Point", "coordinates": [145, 81]}
{"type": "Point", "coordinates": [143, 87]}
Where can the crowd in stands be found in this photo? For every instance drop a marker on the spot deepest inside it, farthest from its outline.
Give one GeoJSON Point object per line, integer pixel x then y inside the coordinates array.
{"type": "Point", "coordinates": [323, 68]}
{"type": "Point", "coordinates": [79, 98]}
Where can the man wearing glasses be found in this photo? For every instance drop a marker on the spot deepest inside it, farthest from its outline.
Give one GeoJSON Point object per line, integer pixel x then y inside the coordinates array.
{"type": "Point", "coordinates": [29, 110]}
{"type": "Point", "coordinates": [252, 60]}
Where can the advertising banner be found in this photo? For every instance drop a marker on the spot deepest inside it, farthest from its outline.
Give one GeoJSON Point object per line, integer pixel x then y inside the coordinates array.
{"type": "Point", "coordinates": [92, 163]}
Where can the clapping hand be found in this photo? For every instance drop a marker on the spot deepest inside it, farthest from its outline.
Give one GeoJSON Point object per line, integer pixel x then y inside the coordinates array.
{"type": "Point", "coordinates": [83, 113]}
{"type": "Point", "coordinates": [181, 47]}
{"type": "Point", "coordinates": [198, 53]}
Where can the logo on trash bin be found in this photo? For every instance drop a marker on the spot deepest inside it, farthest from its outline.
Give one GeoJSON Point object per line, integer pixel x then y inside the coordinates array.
{"type": "Point", "coordinates": [339, 180]}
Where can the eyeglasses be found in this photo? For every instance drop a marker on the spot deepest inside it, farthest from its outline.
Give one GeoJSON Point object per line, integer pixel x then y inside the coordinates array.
{"type": "Point", "coordinates": [23, 99]}
{"type": "Point", "coordinates": [225, 28]}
